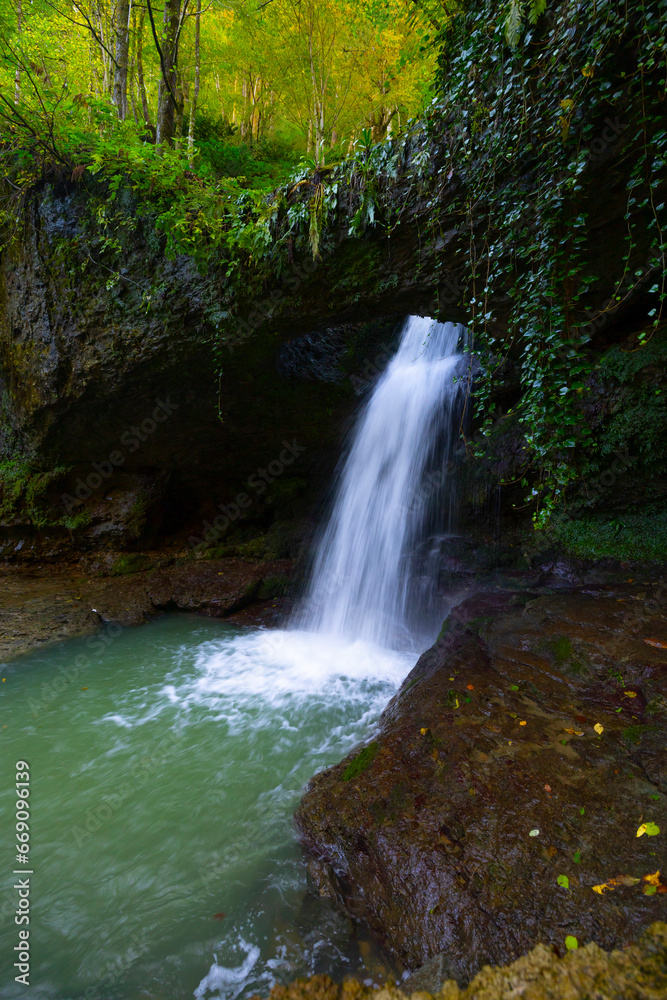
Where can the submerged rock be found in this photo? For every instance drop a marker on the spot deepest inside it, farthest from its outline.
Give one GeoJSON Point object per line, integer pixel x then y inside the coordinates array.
{"type": "Point", "coordinates": [509, 777]}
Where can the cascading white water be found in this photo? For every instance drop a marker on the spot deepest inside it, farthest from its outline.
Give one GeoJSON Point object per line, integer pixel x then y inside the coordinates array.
{"type": "Point", "coordinates": [394, 490]}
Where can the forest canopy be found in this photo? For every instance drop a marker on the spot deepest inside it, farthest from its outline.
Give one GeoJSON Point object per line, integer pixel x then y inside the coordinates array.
{"type": "Point", "coordinates": [248, 85]}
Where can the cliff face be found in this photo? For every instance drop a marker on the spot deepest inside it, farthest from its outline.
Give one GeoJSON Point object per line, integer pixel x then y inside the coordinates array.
{"type": "Point", "coordinates": [138, 395]}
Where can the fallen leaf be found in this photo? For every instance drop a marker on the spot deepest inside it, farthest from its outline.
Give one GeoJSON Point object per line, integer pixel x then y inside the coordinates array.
{"type": "Point", "coordinates": [219, 916]}
{"type": "Point", "coordinates": [577, 857]}
{"type": "Point", "coordinates": [514, 687]}
{"type": "Point", "coordinates": [84, 689]}
{"type": "Point", "coordinates": [571, 942]}
{"type": "Point", "coordinates": [623, 880]}
{"type": "Point", "coordinates": [650, 890]}
{"type": "Point", "coordinates": [653, 879]}
{"type": "Point", "coordinates": [600, 889]}
{"type": "Point", "coordinates": [656, 642]}
{"type": "Point", "coordinates": [547, 788]}
{"type": "Point", "coordinates": [650, 829]}
{"type": "Point", "coordinates": [630, 694]}
{"type": "Point", "coordinates": [574, 732]}
{"type": "Point", "coordinates": [598, 728]}
{"type": "Point", "coordinates": [581, 718]}
{"type": "Point", "coordinates": [582, 810]}
{"type": "Point", "coordinates": [523, 723]}
{"type": "Point", "coordinates": [552, 851]}
{"type": "Point", "coordinates": [534, 833]}
{"type": "Point", "coordinates": [471, 687]}
{"type": "Point", "coordinates": [563, 881]}
{"type": "Point", "coordinates": [423, 731]}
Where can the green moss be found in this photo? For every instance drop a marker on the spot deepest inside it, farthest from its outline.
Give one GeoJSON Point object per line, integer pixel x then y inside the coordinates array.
{"type": "Point", "coordinates": [477, 624]}
{"type": "Point", "coordinates": [361, 762]}
{"type": "Point", "coordinates": [272, 586]}
{"type": "Point", "coordinates": [633, 734]}
{"type": "Point", "coordinates": [632, 537]}
{"type": "Point", "coordinates": [256, 548]}
{"type": "Point", "coordinates": [25, 495]}
{"type": "Point", "coordinates": [446, 625]}
{"type": "Point", "coordinates": [562, 648]}
{"type": "Point", "coordinates": [133, 562]}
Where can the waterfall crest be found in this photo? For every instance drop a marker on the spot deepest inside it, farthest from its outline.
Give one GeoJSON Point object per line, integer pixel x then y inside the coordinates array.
{"type": "Point", "coordinates": [372, 578]}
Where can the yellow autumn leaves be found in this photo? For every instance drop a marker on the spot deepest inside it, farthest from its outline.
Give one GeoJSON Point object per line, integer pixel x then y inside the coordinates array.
{"type": "Point", "coordinates": [653, 882]}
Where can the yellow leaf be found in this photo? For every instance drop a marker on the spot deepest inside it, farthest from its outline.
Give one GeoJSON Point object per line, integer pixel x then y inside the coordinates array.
{"type": "Point", "coordinates": [651, 829]}
{"type": "Point", "coordinates": [653, 879]}
{"type": "Point", "coordinates": [630, 694]}
{"type": "Point", "coordinates": [523, 723]}
{"type": "Point", "coordinates": [574, 732]}
{"type": "Point", "coordinates": [598, 728]}
{"type": "Point", "coordinates": [601, 888]}
{"type": "Point", "coordinates": [624, 880]}
{"type": "Point", "coordinates": [423, 731]}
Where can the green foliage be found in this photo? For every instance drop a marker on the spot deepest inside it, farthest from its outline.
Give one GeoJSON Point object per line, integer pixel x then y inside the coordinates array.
{"type": "Point", "coordinates": [516, 11]}
{"type": "Point", "coordinates": [522, 139]}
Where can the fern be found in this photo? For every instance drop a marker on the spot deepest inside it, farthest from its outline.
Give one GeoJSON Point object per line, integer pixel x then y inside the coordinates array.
{"type": "Point", "coordinates": [514, 18]}
{"type": "Point", "coordinates": [513, 22]}
{"type": "Point", "coordinates": [537, 8]}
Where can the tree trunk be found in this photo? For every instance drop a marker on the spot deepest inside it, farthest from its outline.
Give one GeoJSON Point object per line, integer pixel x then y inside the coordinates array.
{"type": "Point", "coordinates": [167, 102]}
{"type": "Point", "coordinates": [119, 95]}
{"type": "Point", "coordinates": [195, 92]}
{"type": "Point", "coordinates": [17, 74]}
{"type": "Point", "coordinates": [141, 85]}
{"type": "Point", "coordinates": [104, 55]}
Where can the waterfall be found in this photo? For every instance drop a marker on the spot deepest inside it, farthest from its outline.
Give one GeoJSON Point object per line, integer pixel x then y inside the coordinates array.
{"type": "Point", "coordinates": [375, 574]}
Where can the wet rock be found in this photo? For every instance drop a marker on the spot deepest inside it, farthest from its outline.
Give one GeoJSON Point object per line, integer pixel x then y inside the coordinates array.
{"type": "Point", "coordinates": [487, 781]}
{"type": "Point", "coordinates": [638, 972]}
{"type": "Point", "coordinates": [39, 608]}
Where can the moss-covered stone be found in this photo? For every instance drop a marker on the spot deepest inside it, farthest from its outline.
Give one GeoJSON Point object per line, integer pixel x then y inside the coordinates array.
{"type": "Point", "coordinates": [361, 762]}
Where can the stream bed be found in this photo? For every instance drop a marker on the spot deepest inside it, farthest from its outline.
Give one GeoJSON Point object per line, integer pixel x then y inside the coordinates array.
{"type": "Point", "coordinates": [165, 765]}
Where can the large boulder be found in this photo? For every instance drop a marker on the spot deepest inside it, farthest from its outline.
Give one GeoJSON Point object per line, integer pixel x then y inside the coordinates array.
{"type": "Point", "coordinates": [509, 777]}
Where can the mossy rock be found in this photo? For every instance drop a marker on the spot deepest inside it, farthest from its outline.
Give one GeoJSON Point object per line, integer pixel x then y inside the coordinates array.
{"type": "Point", "coordinates": [273, 586]}
{"type": "Point", "coordinates": [361, 762]}
{"type": "Point", "coordinates": [133, 562]}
